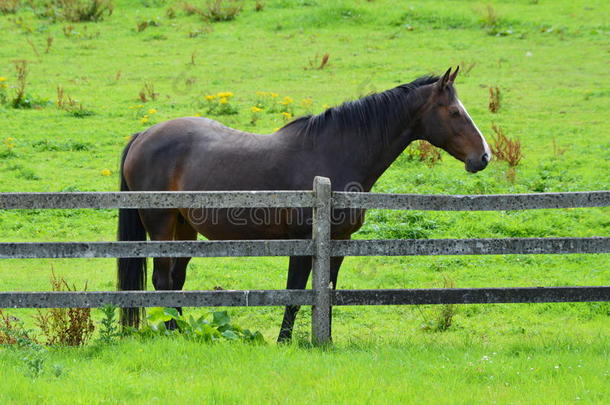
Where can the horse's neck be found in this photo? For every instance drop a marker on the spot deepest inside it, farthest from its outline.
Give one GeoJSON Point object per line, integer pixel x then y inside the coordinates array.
{"type": "Point", "coordinates": [362, 160]}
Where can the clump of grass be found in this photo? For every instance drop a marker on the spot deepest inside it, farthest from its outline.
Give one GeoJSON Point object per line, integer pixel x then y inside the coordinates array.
{"type": "Point", "coordinates": [75, 10]}
{"type": "Point", "coordinates": [259, 5]}
{"type": "Point", "coordinates": [215, 10]}
{"type": "Point", "coordinates": [73, 107]}
{"type": "Point", "coordinates": [142, 25]}
{"type": "Point", "coordinates": [495, 99]}
{"type": "Point", "coordinates": [65, 326]}
{"type": "Point", "coordinates": [444, 314]}
{"type": "Point", "coordinates": [490, 18]}
{"type": "Point", "coordinates": [9, 6]}
{"type": "Point", "coordinates": [147, 93]}
{"type": "Point", "coordinates": [507, 150]}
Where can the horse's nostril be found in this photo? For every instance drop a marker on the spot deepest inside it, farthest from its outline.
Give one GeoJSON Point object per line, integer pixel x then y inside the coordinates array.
{"type": "Point", "coordinates": [485, 158]}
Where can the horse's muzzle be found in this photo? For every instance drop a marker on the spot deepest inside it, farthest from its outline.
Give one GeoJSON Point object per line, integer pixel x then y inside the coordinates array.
{"type": "Point", "coordinates": [477, 164]}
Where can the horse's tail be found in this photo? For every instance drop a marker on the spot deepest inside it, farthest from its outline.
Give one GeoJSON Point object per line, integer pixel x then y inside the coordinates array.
{"type": "Point", "coordinates": [131, 273]}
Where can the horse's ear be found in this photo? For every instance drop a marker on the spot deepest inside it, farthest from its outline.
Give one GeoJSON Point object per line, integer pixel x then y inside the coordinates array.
{"type": "Point", "coordinates": [454, 75]}
{"type": "Point", "coordinates": [444, 81]}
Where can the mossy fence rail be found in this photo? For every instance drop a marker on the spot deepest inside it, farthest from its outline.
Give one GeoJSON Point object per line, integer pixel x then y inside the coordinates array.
{"type": "Point", "coordinates": [322, 296]}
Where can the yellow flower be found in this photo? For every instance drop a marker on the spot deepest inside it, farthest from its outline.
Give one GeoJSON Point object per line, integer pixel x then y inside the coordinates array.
{"type": "Point", "coordinates": [307, 102]}
{"type": "Point", "coordinates": [144, 119]}
{"type": "Point", "coordinates": [262, 93]}
{"type": "Point", "coordinates": [286, 115]}
{"type": "Point", "coordinates": [274, 95]}
{"type": "Point", "coordinates": [9, 139]}
{"type": "Point", "coordinates": [326, 106]}
{"type": "Point", "coordinates": [223, 100]}
{"type": "Point", "coordinates": [152, 111]}
{"type": "Point", "coordinates": [197, 115]}
{"type": "Point", "coordinates": [276, 129]}
{"type": "Point", "coordinates": [287, 100]}
{"type": "Point", "coordinates": [2, 79]}
{"type": "Point", "coordinates": [106, 172]}
{"type": "Point", "coordinates": [225, 94]}
{"type": "Point", "coordinates": [210, 97]}
{"type": "Point", "coordinates": [255, 109]}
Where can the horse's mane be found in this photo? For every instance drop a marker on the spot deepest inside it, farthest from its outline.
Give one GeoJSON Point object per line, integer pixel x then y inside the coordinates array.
{"type": "Point", "coordinates": [372, 114]}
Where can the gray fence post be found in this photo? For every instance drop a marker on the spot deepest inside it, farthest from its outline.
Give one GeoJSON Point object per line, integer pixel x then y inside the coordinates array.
{"type": "Point", "coordinates": [321, 310]}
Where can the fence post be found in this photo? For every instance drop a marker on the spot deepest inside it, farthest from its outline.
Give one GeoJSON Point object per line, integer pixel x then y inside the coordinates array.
{"type": "Point", "coordinates": [321, 310]}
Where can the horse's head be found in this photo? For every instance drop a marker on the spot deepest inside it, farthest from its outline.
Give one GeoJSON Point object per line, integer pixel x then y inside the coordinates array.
{"type": "Point", "coordinates": [445, 123]}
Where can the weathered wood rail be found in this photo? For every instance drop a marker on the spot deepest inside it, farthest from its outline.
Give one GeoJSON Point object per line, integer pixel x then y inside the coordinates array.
{"type": "Point", "coordinates": [322, 297]}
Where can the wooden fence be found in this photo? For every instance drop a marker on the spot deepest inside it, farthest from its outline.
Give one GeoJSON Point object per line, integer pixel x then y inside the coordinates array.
{"type": "Point", "coordinates": [322, 297]}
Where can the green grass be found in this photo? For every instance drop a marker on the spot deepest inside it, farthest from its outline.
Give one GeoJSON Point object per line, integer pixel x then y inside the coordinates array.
{"type": "Point", "coordinates": [549, 60]}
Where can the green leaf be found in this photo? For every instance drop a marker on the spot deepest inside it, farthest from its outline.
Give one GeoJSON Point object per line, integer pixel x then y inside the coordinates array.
{"type": "Point", "coordinates": [230, 335]}
{"type": "Point", "coordinates": [221, 318]}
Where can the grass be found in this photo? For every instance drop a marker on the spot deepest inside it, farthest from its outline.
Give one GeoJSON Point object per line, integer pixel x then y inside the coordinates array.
{"type": "Point", "coordinates": [548, 59]}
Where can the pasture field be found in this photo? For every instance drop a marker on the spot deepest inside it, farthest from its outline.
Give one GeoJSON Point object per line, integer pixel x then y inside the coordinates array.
{"type": "Point", "coordinates": [144, 65]}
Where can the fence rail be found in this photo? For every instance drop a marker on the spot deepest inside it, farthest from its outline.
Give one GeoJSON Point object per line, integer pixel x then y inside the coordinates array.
{"type": "Point", "coordinates": [322, 297]}
{"type": "Point", "coordinates": [299, 247]}
{"type": "Point", "coordinates": [257, 298]}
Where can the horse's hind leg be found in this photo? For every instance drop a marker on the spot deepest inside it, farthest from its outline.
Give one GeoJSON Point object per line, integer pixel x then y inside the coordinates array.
{"type": "Point", "coordinates": [183, 231]}
{"type": "Point", "coordinates": [160, 225]}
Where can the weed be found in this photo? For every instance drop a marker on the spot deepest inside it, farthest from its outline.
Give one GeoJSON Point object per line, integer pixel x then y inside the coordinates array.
{"type": "Point", "coordinates": [11, 329]}
{"type": "Point", "coordinates": [313, 62]}
{"type": "Point", "coordinates": [142, 25]}
{"type": "Point", "coordinates": [203, 30]}
{"type": "Point", "coordinates": [220, 104]}
{"type": "Point", "coordinates": [259, 5]}
{"type": "Point", "coordinates": [109, 330]}
{"type": "Point", "coordinates": [49, 44]}
{"type": "Point", "coordinates": [256, 114]}
{"type": "Point", "coordinates": [425, 152]}
{"type": "Point", "coordinates": [221, 10]}
{"type": "Point", "coordinates": [147, 92]}
{"type": "Point", "coordinates": [67, 146]}
{"type": "Point", "coordinates": [495, 99]}
{"type": "Point", "coordinates": [9, 6]}
{"type": "Point", "coordinates": [170, 13]}
{"type": "Point", "coordinates": [75, 10]}
{"type": "Point", "coordinates": [34, 48]}
{"type": "Point", "coordinates": [490, 18]}
{"type": "Point", "coordinates": [557, 150]}
{"type": "Point", "coordinates": [20, 101]}
{"type": "Point", "coordinates": [466, 68]}
{"type": "Point", "coordinates": [73, 107]}
{"type": "Point", "coordinates": [507, 150]}
{"type": "Point", "coordinates": [25, 173]}
{"type": "Point", "coordinates": [197, 329]}
{"type": "Point", "coordinates": [8, 148]}
{"type": "Point", "coordinates": [65, 326]}
{"type": "Point", "coordinates": [3, 91]}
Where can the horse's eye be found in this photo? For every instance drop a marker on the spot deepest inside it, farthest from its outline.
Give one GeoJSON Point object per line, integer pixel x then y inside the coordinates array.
{"type": "Point", "coordinates": [455, 113]}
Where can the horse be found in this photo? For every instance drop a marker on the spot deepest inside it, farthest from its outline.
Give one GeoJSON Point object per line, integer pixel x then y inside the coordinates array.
{"type": "Point", "coordinates": [352, 144]}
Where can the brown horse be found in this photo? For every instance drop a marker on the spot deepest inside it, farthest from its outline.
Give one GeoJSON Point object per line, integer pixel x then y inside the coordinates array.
{"type": "Point", "coordinates": [352, 144]}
